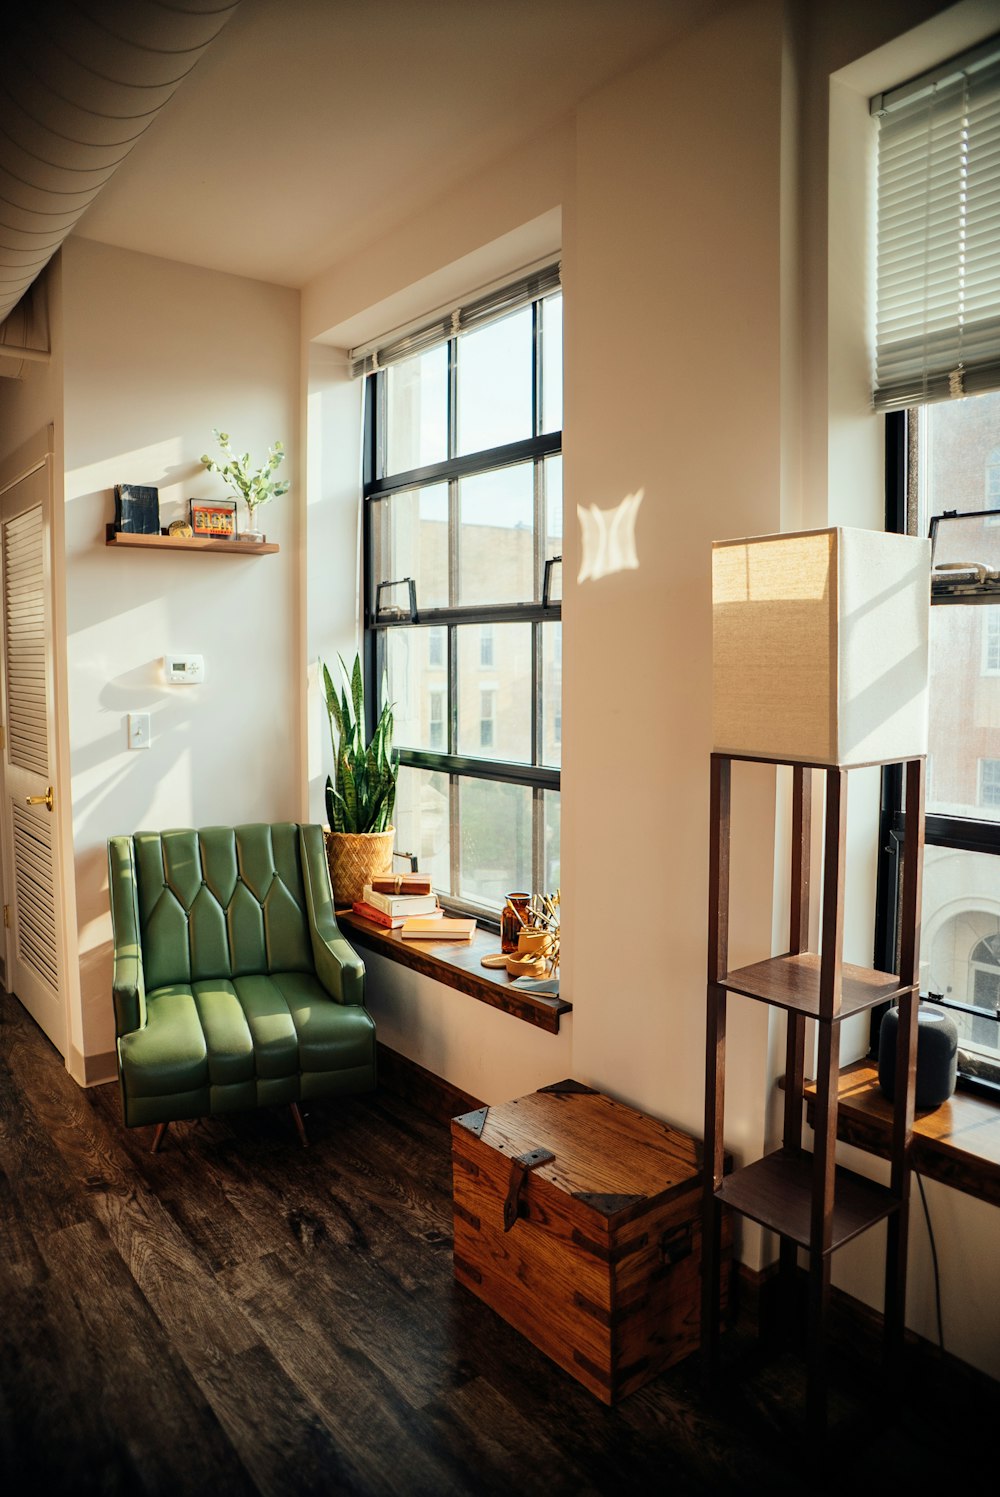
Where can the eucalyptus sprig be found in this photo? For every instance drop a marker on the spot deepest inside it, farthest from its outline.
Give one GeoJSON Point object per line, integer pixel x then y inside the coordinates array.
{"type": "Point", "coordinates": [255, 486]}
{"type": "Point", "coordinates": [362, 792]}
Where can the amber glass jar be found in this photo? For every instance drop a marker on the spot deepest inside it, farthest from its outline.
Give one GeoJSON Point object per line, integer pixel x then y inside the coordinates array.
{"type": "Point", "coordinates": [513, 918]}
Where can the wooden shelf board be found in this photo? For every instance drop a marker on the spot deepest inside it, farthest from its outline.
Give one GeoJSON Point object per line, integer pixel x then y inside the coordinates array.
{"type": "Point", "coordinates": [776, 1191]}
{"type": "Point", "coordinates": [457, 965]}
{"type": "Point", "coordinates": [119, 538]}
{"type": "Point", "coordinates": [957, 1143]}
{"type": "Point", "coordinates": [792, 982]}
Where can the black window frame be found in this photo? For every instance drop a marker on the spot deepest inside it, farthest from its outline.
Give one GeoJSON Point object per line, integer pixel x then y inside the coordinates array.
{"type": "Point", "coordinates": [378, 485]}
{"type": "Point", "coordinates": [966, 834]}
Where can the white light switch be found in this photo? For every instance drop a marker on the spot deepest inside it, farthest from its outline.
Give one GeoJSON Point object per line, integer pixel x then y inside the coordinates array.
{"type": "Point", "coordinates": [184, 670]}
{"type": "Point", "coordinates": [138, 730]}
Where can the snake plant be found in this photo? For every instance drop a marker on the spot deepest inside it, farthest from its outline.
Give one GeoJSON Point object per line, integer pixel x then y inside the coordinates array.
{"type": "Point", "coordinates": [362, 792]}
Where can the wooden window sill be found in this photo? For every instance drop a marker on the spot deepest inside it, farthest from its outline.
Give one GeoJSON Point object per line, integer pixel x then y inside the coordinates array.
{"type": "Point", "coordinates": [457, 965]}
{"type": "Point", "coordinates": [957, 1143]}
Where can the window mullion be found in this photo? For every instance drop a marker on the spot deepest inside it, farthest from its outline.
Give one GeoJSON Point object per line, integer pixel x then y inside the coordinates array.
{"type": "Point", "coordinates": [537, 738]}
{"type": "Point", "coordinates": [536, 368]}
{"type": "Point", "coordinates": [452, 664]}
{"type": "Point", "coordinates": [454, 836]}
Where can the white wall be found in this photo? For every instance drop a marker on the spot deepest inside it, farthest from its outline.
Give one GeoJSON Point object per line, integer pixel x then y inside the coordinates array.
{"type": "Point", "coordinates": [156, 355]}
{"type": "Point", "coordinates": [670, 258]}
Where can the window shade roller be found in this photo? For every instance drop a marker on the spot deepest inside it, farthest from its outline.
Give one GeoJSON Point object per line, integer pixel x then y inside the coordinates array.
{"type": "Point", "coordinates": [463, 318]}
{"type": "Point", "coordinates": [938, 324]}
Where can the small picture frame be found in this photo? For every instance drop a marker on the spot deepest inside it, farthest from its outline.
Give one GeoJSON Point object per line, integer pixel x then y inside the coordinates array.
{"type": "Point", "coordinates": [213, 519]}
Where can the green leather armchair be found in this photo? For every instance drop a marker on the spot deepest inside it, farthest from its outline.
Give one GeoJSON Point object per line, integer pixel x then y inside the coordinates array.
{"type": "Point", "coordinates": [233, 986]}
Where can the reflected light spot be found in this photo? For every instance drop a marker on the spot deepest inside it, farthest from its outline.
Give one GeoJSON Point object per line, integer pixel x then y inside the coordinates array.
{"type": "Point", "coordinates": [608, 537]}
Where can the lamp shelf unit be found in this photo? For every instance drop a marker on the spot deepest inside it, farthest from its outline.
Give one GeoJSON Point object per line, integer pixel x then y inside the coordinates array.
{"type": "Point", "coordinates": [806, 1198]}
{"type": "Point", "coordinates": [120, 539]}
{"type": "Point", "coordinates": [777, 1192]}
{"type": "Point", "coordinates": [793, 982]}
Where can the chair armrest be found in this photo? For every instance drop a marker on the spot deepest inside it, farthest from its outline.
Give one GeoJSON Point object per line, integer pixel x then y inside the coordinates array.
{"type": "Point", "coordinates": [128, 982]}
{"type": "Point", "coordinates": [338, 966]}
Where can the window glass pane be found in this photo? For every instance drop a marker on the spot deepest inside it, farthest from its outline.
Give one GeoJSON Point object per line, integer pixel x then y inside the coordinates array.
{"type": "Point", "coordinates": [553, 545]}
{"type": "Point", "coordinates": [551, 874]}
{"type": "Point", "coordinates": [552, 386]}
{"type": "Point", "coordinates": [421, 819]}
{"type": "Point", "coordinates": [496, 543]}
{"type": "Point", "coordinates": [410, 537]}
{"type": "Point", "coordinates": [495, 822]}
{"type": "Point", "coordinates": [960, 940]}
{"type": "Point", "coordinates": [959, 465]}
{"type": "Point", "coordinates": [417, 411]}
{"type": "Point", "coordinates": [965, 712]}
{"type": "Point", "coordinates": [552, 694]}
{"type": "Point", "coordinates": [494, 384]}
{"type": "Point", "coordinates": [495, 702]}
{"type": "Point", "coordinates": [418, 689]}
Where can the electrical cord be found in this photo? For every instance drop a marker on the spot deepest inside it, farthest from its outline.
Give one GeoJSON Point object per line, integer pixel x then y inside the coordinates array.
{"type": "Point", "coordinates": [934, 1260]}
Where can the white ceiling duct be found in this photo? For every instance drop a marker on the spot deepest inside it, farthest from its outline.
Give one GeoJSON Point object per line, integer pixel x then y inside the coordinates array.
{"type": "Point", "coordinates": [80, 80]}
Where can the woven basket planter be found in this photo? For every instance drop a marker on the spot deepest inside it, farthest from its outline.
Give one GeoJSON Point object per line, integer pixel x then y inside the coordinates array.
{"type": "Point", "coordinates": [353, 858]}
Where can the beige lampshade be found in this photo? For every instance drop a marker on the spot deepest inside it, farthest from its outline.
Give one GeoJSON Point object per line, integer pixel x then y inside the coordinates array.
{"type": "Point", "coordinates": [820, 645]}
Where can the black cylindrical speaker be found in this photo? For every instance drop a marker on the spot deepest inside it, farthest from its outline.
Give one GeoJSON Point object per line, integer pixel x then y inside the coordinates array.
{"type": "Point", "coordinates": [937, 1055]}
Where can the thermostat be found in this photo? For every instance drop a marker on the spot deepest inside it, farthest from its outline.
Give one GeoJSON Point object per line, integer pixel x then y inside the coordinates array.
{"type": "Point", "coordinates": [184, 670]}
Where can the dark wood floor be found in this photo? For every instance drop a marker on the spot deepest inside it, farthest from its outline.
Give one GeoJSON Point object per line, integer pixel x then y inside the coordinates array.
{"type": "Point", "coordinates": [239, 1315]}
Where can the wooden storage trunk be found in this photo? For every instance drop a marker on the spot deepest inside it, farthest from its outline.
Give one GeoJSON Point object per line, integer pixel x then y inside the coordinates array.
{"type": "Point", "coordinates": [578, 1220]}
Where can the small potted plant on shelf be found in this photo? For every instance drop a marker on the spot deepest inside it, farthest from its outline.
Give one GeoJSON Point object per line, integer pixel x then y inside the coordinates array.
{"type": "Point", "coordinates": [361, 793]}
{"type": "Point", "coordinates": [255, 486]}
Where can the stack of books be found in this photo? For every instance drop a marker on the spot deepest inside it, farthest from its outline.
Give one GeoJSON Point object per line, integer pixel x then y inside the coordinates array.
{"type": "Point", "coordinates": [392, 910]}
{"type": "Point", "coordinates": [405, 903]}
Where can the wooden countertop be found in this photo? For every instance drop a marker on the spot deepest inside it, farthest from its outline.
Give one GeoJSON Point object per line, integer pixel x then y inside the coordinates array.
{"type": "Point", "coordinates": [957, 1143]}
{"type": "Point", "coordinates": [457, 965]}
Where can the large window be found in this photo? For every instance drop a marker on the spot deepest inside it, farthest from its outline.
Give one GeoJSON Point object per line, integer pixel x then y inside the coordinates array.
{"type": "Point", "coordinates": [940, 457]}
{"type": "Point", "coordinates": [937, 372]}
{"type": "Point", "coordinates": [463, 539]}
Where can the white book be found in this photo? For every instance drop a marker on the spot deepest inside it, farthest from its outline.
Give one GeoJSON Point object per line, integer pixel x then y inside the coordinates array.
{"type": "Point", "coordinates": [401, 904]}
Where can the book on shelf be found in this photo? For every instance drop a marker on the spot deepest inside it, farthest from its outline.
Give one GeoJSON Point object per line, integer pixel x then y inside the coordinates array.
{"type": "Point", "coordinates": [444, 928]}
{"type": "Point", "coordinates": [379, 917]}
{"type": "Point", "coordinates": [401, 883]}
{"type": "Point", "coordinates": [400, 904]}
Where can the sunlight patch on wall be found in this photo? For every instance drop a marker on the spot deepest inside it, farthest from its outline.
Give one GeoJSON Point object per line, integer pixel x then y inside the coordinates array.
{"type": "Point", "coordinates": [608, 538]}
{"type": "Point", "coordinates": [168, 465]}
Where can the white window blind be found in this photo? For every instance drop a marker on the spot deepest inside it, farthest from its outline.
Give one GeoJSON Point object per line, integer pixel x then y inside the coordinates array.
{"type": "Point", "coordinates": [938, 290]}
{"type": "Point", "coordinates": [460, 319]}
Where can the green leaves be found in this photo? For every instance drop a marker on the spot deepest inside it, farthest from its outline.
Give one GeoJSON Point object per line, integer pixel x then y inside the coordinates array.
{"type": "Point", "coordinates": [361, 794]}
{"type": "Point", "coordinates": [254, 487]}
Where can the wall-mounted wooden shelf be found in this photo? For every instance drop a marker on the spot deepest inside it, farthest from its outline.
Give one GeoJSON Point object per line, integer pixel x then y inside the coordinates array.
{"type": "Point", "coordinates": [119, 539]}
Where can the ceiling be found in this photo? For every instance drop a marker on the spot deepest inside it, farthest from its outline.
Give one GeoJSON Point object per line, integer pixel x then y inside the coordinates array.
{"type": "Point", "coordinates": [311, 127]}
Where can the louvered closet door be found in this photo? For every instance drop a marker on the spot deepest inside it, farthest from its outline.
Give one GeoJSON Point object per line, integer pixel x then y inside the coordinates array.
{"type": "Point", "coordinates": [31, 873]}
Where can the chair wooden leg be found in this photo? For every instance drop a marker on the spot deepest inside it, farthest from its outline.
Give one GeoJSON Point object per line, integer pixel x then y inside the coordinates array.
{"type": "Point", "coordinates": [161, 1129]}
{"type": "Point", "coordinates": [300, 1127]}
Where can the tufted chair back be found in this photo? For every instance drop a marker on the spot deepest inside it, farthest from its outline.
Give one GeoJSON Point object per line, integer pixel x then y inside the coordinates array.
{"type": "Point", "coordinates": [220, 902]}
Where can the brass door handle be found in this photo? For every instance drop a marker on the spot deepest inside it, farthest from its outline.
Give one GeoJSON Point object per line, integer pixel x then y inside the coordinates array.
{"type": "Point", "coordinates": [41, 800]}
